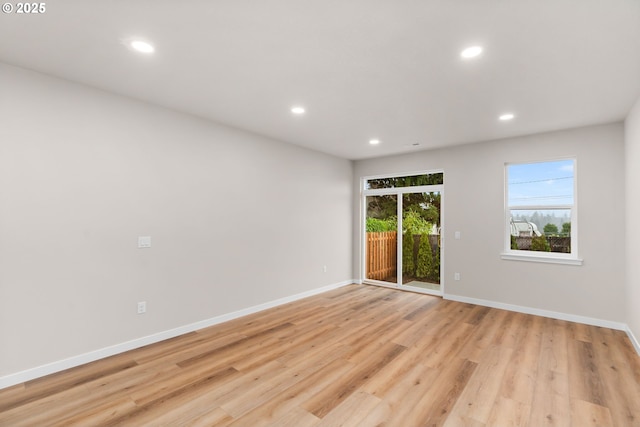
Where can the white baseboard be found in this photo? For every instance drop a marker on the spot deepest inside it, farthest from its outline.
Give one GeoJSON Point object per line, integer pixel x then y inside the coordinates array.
{"type": "Point", "coordinates": [61, 365]}
{"type": "Point", "coordinates": [539, 312]}
{"type": "Point", "coordinates": [633, 339]}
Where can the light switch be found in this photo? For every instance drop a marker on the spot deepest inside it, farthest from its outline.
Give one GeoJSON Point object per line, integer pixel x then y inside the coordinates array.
{"type": "Point", "coordinates": [144, 241]}
{"type": "Point", "coordinates": [457, 235]}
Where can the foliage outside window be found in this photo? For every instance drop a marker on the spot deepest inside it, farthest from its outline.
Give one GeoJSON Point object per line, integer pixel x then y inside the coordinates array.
{"type": "Point", "coordinates": [541, 209]}
{"type": "Point", "coordinates": [405, 181]}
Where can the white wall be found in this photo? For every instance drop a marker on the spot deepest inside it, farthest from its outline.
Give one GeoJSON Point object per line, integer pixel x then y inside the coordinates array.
{"type": "Point", "coordinates": [632, 156]}
{"type": "Point", "coordinates": [474, 203]}
{"type": "Point", "coordinates": [236, 219]}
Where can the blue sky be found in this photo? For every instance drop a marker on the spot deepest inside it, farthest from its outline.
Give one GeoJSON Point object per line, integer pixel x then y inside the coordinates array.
{"type": "Point", "coordinates": [541, 184]}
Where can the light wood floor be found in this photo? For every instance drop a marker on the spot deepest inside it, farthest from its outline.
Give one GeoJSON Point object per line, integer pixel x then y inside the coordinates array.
{"type": "Point", "coordinates": [356, 356]}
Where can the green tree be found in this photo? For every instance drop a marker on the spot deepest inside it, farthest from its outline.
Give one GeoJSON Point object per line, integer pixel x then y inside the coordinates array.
{"type": "Point", "coordinates": [550, 229]}
{"type": "Point", "coordinates": [435, 271]}
{"type": "Point", "coordinates": [514, 243]}
{"type": "Point", "coordinates": [412, 221]}
{"type": "Point", "coordinates": [539, 243]}
{"type": "Point", "coordinates": [425, 268]}
{"type": "Point", "coordinates": [407, 181]}
{"type": "Point", "coordinates": [382, 207]}
{"type": "Point", "coordinates": [566, 228]}
{"type": "Point", "coordinates": [413, 224]}
{"type": "Point", "coordinates": [408, 266]}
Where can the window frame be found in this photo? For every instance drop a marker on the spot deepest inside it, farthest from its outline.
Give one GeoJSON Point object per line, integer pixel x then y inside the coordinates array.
{"type": "Point", "coordinates": [535, 256]}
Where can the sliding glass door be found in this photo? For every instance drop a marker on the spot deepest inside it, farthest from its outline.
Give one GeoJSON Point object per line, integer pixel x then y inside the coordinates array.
{"type": "Point", "coordinates": [402, 229]}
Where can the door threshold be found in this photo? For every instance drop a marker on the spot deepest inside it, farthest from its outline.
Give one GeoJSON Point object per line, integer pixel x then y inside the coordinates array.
{"type": "Point", "coordinates": [413, 289]}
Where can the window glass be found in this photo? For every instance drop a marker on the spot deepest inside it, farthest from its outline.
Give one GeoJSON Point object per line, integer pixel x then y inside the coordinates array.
{"type": "Point", "coordinates": [541, 184]}
{"type": "Point", "coordinates": [540, 199]}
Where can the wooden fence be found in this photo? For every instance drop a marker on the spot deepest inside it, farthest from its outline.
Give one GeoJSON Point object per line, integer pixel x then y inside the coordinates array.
{"type": "Point", "coordinates": [556, 243]}
{"type": "Point", "coordinates": [381, 255]}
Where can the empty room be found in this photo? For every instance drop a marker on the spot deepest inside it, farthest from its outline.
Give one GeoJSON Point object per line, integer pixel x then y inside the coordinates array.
{"type": "Point", "coordinates": [320, 213]}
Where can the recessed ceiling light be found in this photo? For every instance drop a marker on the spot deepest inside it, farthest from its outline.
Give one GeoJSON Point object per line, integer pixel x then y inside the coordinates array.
{"type": "Point", "coordinates": [141, 46]}
{"type": "Point", "coordinates": [471, 52]}
{"type": "Point", "coordinates": [298, 110]}
{"type": "Point", "coordinates": [507, 116]}
{"type": "Point", "coordinates": [374, 141]}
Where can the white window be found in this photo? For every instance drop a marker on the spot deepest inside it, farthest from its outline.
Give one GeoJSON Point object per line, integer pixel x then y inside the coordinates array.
{"type": "Point", "coordinates": [541, 212]}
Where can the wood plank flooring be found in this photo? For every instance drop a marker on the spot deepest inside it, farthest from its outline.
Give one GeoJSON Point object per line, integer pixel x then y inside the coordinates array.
{"type": "Point", "coordinates": [357, 356]}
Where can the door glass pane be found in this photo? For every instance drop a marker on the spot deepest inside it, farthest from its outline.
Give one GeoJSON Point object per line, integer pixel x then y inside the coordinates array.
{"type": "Point", "coordinates": [382, 239]}
{"type": "Point", "coordinates": [421, 240]}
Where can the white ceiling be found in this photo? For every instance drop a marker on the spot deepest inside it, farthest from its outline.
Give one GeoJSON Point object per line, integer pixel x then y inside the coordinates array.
{"type": "Point", "coordinates": [387, 69]}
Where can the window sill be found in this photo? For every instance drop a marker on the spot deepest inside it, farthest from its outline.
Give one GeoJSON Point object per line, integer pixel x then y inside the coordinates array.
{"type": "Point", "coordinates": [541, 258]}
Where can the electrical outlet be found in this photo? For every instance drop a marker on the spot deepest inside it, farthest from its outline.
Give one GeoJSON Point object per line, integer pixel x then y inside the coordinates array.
{"type": "Point", "coordinates": [324, 268]}
{"type": "Point", "coordinates": [144, 242]}
{"type": "Point", "coordinates": [142, 307]}
{"type": "Point", "coordinates": [456, 276]}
